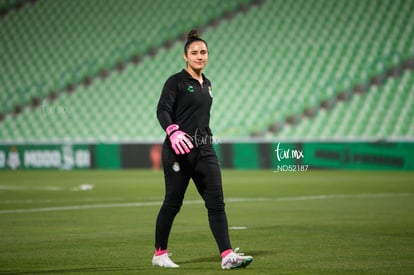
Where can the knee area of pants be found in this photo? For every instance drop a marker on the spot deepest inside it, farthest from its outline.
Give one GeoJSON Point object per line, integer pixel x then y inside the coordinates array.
{"type": "Point", "coordinates": [216, 210]}
{"type": "Point", "coordinates": [171, 208]}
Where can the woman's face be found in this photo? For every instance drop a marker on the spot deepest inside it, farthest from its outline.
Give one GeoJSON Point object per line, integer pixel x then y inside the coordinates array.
{"type": "Point", "coordinates": [196, 55]}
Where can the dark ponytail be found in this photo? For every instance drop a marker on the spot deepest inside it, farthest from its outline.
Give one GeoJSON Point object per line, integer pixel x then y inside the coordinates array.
{"type": "Point", "coordinates": [192, 36]}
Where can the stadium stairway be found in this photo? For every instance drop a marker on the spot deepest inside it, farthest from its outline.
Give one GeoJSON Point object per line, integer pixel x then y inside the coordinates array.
{"type": "Point", "coordinates": [8, 6]}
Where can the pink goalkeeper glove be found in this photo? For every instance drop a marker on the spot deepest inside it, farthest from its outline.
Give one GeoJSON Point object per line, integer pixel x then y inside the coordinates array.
{"type": "Point", "coordinates": [180, 141]}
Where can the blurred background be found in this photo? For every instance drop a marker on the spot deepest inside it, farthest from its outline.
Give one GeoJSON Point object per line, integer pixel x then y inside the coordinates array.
{"type": "Point", "coordinates": [326, 84]}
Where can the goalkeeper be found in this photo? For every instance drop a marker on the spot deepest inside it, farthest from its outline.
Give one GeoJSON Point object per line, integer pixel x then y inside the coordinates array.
{"type": "Point", "coordinates": [184, 113]}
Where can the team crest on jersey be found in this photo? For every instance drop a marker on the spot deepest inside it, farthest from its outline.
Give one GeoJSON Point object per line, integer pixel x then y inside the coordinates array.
{"type": "Point", "coordinates": [210, 91]}
{"type": "Point", "coordinates": [176, 167]}
{"type": "Point", "coordinates": [190, 89]}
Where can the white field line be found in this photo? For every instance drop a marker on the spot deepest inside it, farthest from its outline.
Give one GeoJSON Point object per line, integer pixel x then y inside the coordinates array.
{"type": "Point", "coordinates": [77, 200]}
{"type": "Point", "coordinates": [20, 188]}
{"type": "Point", "coordinates": [229, 200]}
{"type": "Point", "coordinates": [82, 187]}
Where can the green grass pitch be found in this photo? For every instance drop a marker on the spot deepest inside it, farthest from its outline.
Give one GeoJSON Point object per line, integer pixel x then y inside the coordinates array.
{"type": "Point", "coordinates": [314, 222]}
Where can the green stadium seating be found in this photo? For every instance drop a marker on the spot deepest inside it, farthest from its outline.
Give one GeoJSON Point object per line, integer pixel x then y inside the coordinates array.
{"type": "Point", "coordinates": [266, 65]}
{"type": "Point", "coordinates": [383, 112]}
{"type": "Point", "coordinates": [50, 44]}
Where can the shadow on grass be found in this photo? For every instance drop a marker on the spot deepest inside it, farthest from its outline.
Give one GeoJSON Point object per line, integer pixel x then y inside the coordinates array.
{"type": "Point", "coordinates": [215, 259]}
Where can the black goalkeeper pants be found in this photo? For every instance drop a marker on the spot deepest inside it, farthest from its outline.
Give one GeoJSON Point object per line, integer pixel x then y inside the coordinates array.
{"type": "Point", "coordinates": [202, 166]}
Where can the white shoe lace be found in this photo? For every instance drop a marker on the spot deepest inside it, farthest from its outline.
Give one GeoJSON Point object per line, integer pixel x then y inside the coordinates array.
{"type": "Point", "coordinates": [238, 253]}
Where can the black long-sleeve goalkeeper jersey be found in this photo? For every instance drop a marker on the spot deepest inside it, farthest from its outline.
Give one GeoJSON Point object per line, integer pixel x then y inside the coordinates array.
{"type": "Point", "coordinates": [185, 102]}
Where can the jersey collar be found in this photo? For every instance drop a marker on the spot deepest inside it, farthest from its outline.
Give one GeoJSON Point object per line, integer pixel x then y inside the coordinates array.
{"type": "Point", "coordinates": [190, 77]}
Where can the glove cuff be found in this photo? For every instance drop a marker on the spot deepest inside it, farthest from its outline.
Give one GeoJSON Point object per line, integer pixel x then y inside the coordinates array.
{"type": "Point", "coordinates": [171, 129]}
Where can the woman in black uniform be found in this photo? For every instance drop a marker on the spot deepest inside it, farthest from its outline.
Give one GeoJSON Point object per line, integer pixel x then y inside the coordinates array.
{"type": "Point", "coordinates": [184, 113]}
